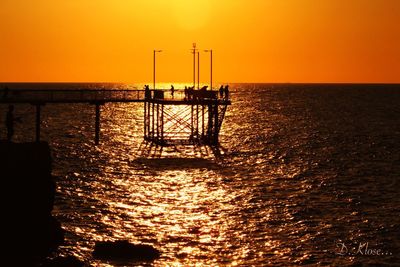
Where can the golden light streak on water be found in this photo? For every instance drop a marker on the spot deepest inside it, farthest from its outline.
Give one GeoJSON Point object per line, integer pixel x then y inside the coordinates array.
{"type": "Point", "coordinates": [297, 177]}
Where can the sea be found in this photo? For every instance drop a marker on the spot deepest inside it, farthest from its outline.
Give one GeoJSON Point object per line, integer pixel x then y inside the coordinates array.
{"type": "Point", "coordinates": [307, 175]}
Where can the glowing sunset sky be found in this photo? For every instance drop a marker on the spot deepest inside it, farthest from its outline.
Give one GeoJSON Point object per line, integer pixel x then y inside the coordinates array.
{"type": "Point", "coordinates": [252, 40]}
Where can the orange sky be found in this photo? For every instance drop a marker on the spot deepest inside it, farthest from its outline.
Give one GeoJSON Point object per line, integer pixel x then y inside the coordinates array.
{"type": "Point", "coordinates": [252, 40]}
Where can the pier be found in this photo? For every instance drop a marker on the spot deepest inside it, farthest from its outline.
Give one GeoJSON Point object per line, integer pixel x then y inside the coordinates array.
{"type": "Point", "coordinates": [168, 119]}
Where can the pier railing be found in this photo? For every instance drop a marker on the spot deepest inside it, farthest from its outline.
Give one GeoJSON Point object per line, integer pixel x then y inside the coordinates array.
{"type": "Point", "coordinates": [71, 96]}
{"type": "Point", "coordinates": [197, 120]}
{"type": "Point", "coordinates": [96, 95]}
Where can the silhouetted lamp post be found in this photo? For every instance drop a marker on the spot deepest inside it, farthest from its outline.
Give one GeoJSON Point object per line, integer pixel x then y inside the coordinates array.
{"type": "Point", "coordinates": [194, 64]}
{"type": "Point", "coordinates": [198, 70]}
{"type": "Point", "coordinates": [154, 67]}
{"type": "Point", "coordinates": [211, 52]}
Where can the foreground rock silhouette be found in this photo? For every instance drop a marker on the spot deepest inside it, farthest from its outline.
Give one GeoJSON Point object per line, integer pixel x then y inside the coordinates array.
{"type": "Point", "coordinates": [30, 232]}
{"type": "Point", "coordinates": [123, 250]}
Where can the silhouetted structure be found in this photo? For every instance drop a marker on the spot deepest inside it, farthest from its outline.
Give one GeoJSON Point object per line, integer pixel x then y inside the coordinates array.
{"type": "Point", "coordinates": [186, 93]}
{"type": "Point", "coordinates": [195, 120]}
{"type": "Point", "coordinates": [30, 231]}
{"type": "Point", "coordinates": [147, 93]}
{"type": "Point", "coordinates": [5, 93]}
{"type": "Point", "coordinates": [10, 123]}
{"type": "Point", "coordinates": [192, 116]}
{"type": "Point", "coordinates": [123, 250]}
{"type": "Point", "coordinates": [190, 92]}
{"type": "Point", "coordinates": [226, 92]}
{"type": "Point", "coordinates": [172, 91]}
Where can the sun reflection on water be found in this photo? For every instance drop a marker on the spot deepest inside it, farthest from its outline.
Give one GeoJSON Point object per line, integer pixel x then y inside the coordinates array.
{"type": "Point", "coordinates": [276, 198]}
{"type": "Point", "coordinates": [183, 213]}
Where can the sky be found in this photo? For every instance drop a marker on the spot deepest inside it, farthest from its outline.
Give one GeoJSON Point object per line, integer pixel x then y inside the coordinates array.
{"type": "Point", "coordinates": [252, 40]}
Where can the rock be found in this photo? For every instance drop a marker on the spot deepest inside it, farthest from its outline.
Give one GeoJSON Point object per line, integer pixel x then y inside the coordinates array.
{"type": "Point", "coordinates": [27, 197]}
{"type": "Point", "coordinates": [123, 250]}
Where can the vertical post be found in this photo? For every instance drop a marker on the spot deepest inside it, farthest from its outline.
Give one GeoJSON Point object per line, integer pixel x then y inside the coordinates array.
{"type": "Point", "coordinates": [198, 70]}
{"type": "Point", "coordinates": [194, 64]}
{"type": "Point", "coordinates": [191, 124]}
{"type": "Point", "coordinates": [154, 69]}
{"type": "Point", "coordinates": [38, 123]}
{"type": "Point", "coordinates": [157, 123]}
{"type": "Point", "coordinates": [162, 123]}
{"type": "Point", "coordinates": [211, 70]}
{"type": "Point", "coordinates": [145, 120]}
{"type": "Point", "coordinates": [152, 120]}
{"type": "Point", "coordinates": [97, 125]}
{"type": "Point", "coordinates": [148, 119]}
{"type": "Point", "coordinates": [210, 123]}
{"type": "Point", "coordinates": [202, 121]}
{"type": "Point", "coordinates": [197, 121]}
{"type": "Point", "coordinates": [216, 123]}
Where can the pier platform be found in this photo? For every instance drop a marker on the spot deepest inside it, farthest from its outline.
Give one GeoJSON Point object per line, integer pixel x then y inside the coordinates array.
{"type": "Point", "coordinates": [168, 117]}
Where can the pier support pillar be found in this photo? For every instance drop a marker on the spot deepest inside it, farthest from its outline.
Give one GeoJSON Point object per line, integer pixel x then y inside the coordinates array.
{"type": "Point", "coordinates": [97, 125]}
{"type": "Point", "coordinates": [157, 122]}
{"type": "Point", "coordinates": [152, 121]}
{"type": "Point", "coordinates": [148, 119]}
{"type": "Point", "coordinates": [202, 121]}
{"type": "Point", "coordinates": [216, 123]}
{"type": "Point", "coordinates": [162, 123]}
{"type": "Point", "coordinates": [192, 124]}
{"type": "Point", "coordinates": [210, 123]}
{"type": "Point", "coordinates": [145, 121]}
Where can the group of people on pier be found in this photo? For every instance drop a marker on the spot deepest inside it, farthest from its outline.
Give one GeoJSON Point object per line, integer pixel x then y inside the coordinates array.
{"type": "Point", "coordinates": [190, 93]}
{"type": "Point", "coordinates": [147, 93]}
{"type": "Point", "coordinates": [224, 92]}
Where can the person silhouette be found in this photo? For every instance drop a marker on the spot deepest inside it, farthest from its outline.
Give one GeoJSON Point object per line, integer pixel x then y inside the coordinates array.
{"type": "Point", "coordinates": [186, 93]}
{"type": "Point", "coordinates": [172, 91]}
{"type": "Point", "coordinates": [221, 92]}
{"type": "Point", "coordinates": [10, 123]}
{"type": "Point", "coordinates": [226, 91]}
{"type": "Point", "coordinates": [190, 92]}
{"type": "Point", "coordinates": [147, 93]}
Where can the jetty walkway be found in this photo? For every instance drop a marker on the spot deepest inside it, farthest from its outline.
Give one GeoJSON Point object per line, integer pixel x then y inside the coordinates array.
{"type": "Point", "coordinates": [201, 123]}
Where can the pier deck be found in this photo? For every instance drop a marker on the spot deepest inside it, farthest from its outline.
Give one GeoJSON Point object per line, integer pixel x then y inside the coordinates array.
{"type": "Point", "coordinates": [71, 96]}
{"type": "Point", "coordinates": [100, 95]}
{"type": "Point", "coordinates": [196, 118]}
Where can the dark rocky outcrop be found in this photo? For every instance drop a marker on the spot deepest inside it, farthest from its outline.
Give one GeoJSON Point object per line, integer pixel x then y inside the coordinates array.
{"type": "Point", "coordinates": [27, 198]}
{"type": "Point", "coordinates": [123, 250]}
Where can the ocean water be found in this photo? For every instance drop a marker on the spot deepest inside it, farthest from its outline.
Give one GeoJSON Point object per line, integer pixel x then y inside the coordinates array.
{"type": "Point", "coordinates": [309, 175]}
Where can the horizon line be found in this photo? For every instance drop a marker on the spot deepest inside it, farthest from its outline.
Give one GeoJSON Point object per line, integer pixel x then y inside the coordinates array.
{"type": "Point", "coordinates": [171, 82]}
